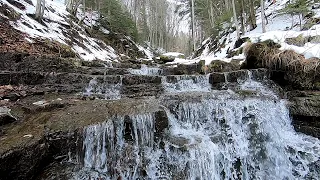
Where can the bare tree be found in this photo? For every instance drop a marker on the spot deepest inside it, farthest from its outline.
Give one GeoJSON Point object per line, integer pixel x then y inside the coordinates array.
{"type": "Point", "coordinates": [72, 6]}
{"type": "Point", "coordinates": [193, 25]}
{"type": "Point", "coordinates": [235, 20]}
{"type": "Point", "coordinates": [40, 6]}
{"type": "Point", "coordinates": [263, 20]}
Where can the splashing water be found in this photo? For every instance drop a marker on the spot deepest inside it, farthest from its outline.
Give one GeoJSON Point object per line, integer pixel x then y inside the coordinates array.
{"type": "Point", "coordinates": [105, 90]}
{"type": "Point", "coordinates": [145, 70]}
{"type": "Point", "coordinates": [185, 83]}
{"type": "Point", "coordinates": [220, 137]}
{"type": "Point", "coordinates": [251, 85]}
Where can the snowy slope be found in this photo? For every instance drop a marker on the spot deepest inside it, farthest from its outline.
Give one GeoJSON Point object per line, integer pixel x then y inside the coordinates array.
{"type": "Point", "coordinates": [276, 31]}
{"type": "Point", "coordinates": [58, 26]}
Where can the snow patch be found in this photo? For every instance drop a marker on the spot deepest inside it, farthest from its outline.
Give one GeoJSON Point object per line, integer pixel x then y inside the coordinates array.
{"type": "Point", "coordinates": [276, 30]}
{"type": "Point", "coordinates": [56, 26]}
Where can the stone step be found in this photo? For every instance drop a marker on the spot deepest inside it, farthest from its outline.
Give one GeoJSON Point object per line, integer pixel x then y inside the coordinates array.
{"type": "Point", "coordinates": [129, 85]}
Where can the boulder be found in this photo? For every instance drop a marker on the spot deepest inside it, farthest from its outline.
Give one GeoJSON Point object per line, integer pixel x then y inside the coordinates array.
{"type": "Point", "coordinates": [305, 112]}
{"type": "Point", "coordinates": [5, 116]}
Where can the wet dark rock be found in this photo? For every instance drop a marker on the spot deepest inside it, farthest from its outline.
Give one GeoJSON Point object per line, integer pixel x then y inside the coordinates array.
{"type": "Point", "coordinates": [136, 80]}
{"type": "Point", "coordinates": [16, 78]}
{"type": "Point", "coordinates": [140, 90]}
{"type": "Point", "coordinates": [62, 143]}
{"type": "Point", "coordinates": [240, 41]}
{"type": "Point", "coordinates": [12, 96]}
{"type": "Point", "coordinates": [5, 116]}
{"type": "Point", "coordinates": [179, 141]}
{"type": "Point", "coordinates": [217, 78]}
{"type": "Point", "coordinates": [235, 76]}
{"type": "Point", "coordinates": [126, 65]}
{"type": "Point", "coordinates": [305, 112]}
{"type": "Point", "coordinates": [6, 119]}
{"type": "Point", "coordinates": [116, 71]}
{"type": "Point", "coordinates": [260, 74]}
{"type": "Point", "coordinates": [162, 123]}
{"type": "Point", "coordinates": [185, 69]}
{"type": "Point", "coordinates": [182, 69]}
{"type": "Point", "coordinates": [23, 163]}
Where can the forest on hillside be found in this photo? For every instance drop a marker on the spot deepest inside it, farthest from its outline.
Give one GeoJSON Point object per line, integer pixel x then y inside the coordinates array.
{"type": "Point", "coordinates": [180, 25]}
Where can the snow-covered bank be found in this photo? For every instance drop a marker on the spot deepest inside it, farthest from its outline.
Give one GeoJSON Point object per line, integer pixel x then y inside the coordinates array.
{"type": "Point", "coordinates": [58, 25]}
{"type": "Point", "coordinates": [277, 30]}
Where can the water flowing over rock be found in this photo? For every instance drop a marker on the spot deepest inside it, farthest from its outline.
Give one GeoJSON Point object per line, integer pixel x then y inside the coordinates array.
{"type": "Point", "coordinates": [184, 83]}
{"type": "Point", "coordinates": [110, 91]}
{"type": "Point", "coordinates": [215, 135]}
{"type": "Point", "coordinates": [145, 70]}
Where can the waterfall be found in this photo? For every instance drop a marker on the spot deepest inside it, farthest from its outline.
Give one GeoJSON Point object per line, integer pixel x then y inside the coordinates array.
{"type": "Point", "coordinates": [222, 136]}
{"type": "Point", "coordinates": [108, 91]}
{"type": "Point", "coordinates": [145, 70]}
{"type": "Point", "coordinates": [185, 83]}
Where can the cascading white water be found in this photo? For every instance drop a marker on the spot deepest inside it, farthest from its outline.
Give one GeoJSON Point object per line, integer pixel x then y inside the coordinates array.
{"type": "Point", "coordinates": [252, 85]}
{"type": "Point", "coordinates": [221, 137]}
{"type": "Point", "coordinates": [185, 83]}
{"type": "Point", "coordinates": [246, 139]}
{"type": "Point", "coordinates": [108, 91]}
{"type": "Point", "coordinates": [114, 148]}
{"type": "Point", "coordinates": [145, 70]}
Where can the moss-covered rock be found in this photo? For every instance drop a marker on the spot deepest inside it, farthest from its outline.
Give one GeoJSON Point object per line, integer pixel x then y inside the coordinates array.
{"type": "Point", "coordinates": [166, 59]}
{"type": "Point", "coordinates": [305, 111]}
{"type": "Point", "coordinates": [301, 40]}
{"type": "Point", "coordinates": [222, 66]}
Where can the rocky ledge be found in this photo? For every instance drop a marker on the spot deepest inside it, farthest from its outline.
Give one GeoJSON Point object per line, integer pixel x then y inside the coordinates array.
{"type": "Point", "coordinates": [48, 130]}
{"type": "Point", "coordinates": [305, 111]}
{"type": "Point", "coordinates": [44, 109]}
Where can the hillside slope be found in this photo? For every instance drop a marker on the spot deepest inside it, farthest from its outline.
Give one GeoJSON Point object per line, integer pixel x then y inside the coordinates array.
{"type": "Point", "coordinates": [281, 28]}
{"type": "Point", "coordinates": [87, 39]}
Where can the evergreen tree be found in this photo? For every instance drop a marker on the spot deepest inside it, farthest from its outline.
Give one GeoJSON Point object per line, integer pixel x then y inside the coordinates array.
{"type": "Point", "coordinates": [118, 19]}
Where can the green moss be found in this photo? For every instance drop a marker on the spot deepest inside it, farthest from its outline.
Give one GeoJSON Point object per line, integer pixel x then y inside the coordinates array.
{"type": "Point", "coordinates": [297, 41]}
{"type": "Point", "coordinates": [221, 66]}
{"type": "Point", "coordinates": [166, 59]}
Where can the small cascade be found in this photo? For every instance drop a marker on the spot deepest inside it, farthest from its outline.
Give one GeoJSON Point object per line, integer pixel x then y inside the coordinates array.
{"type": "Point", "coordinates": [117, 147]}
{"type": "Point", "coordinates": [145, 70]}
{"type": "Point", "coordinates": [185, 83]}
{"type": "Point", "coordinates": [108, 91]}
{"type": "Point", "coordinates": [251, 85]}
{"type": "Point", "coordinates": [240, 139]}
{"type": "Point", "coordinates": [212, 137]}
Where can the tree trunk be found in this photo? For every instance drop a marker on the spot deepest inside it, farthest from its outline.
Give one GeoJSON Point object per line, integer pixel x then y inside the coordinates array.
{"type": "Point", "coordinates": [193, 25]}
{"type": "Point", "coordinates": [235, 20]}
{"type": "Point", "coordinates": [252, 15]}
{"type": "Point", "coordinates": [242, 17]}
{"type": "Point", "coordinates": [40, 6]}
{"type": "Point", "coordinates": [263, 20]}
